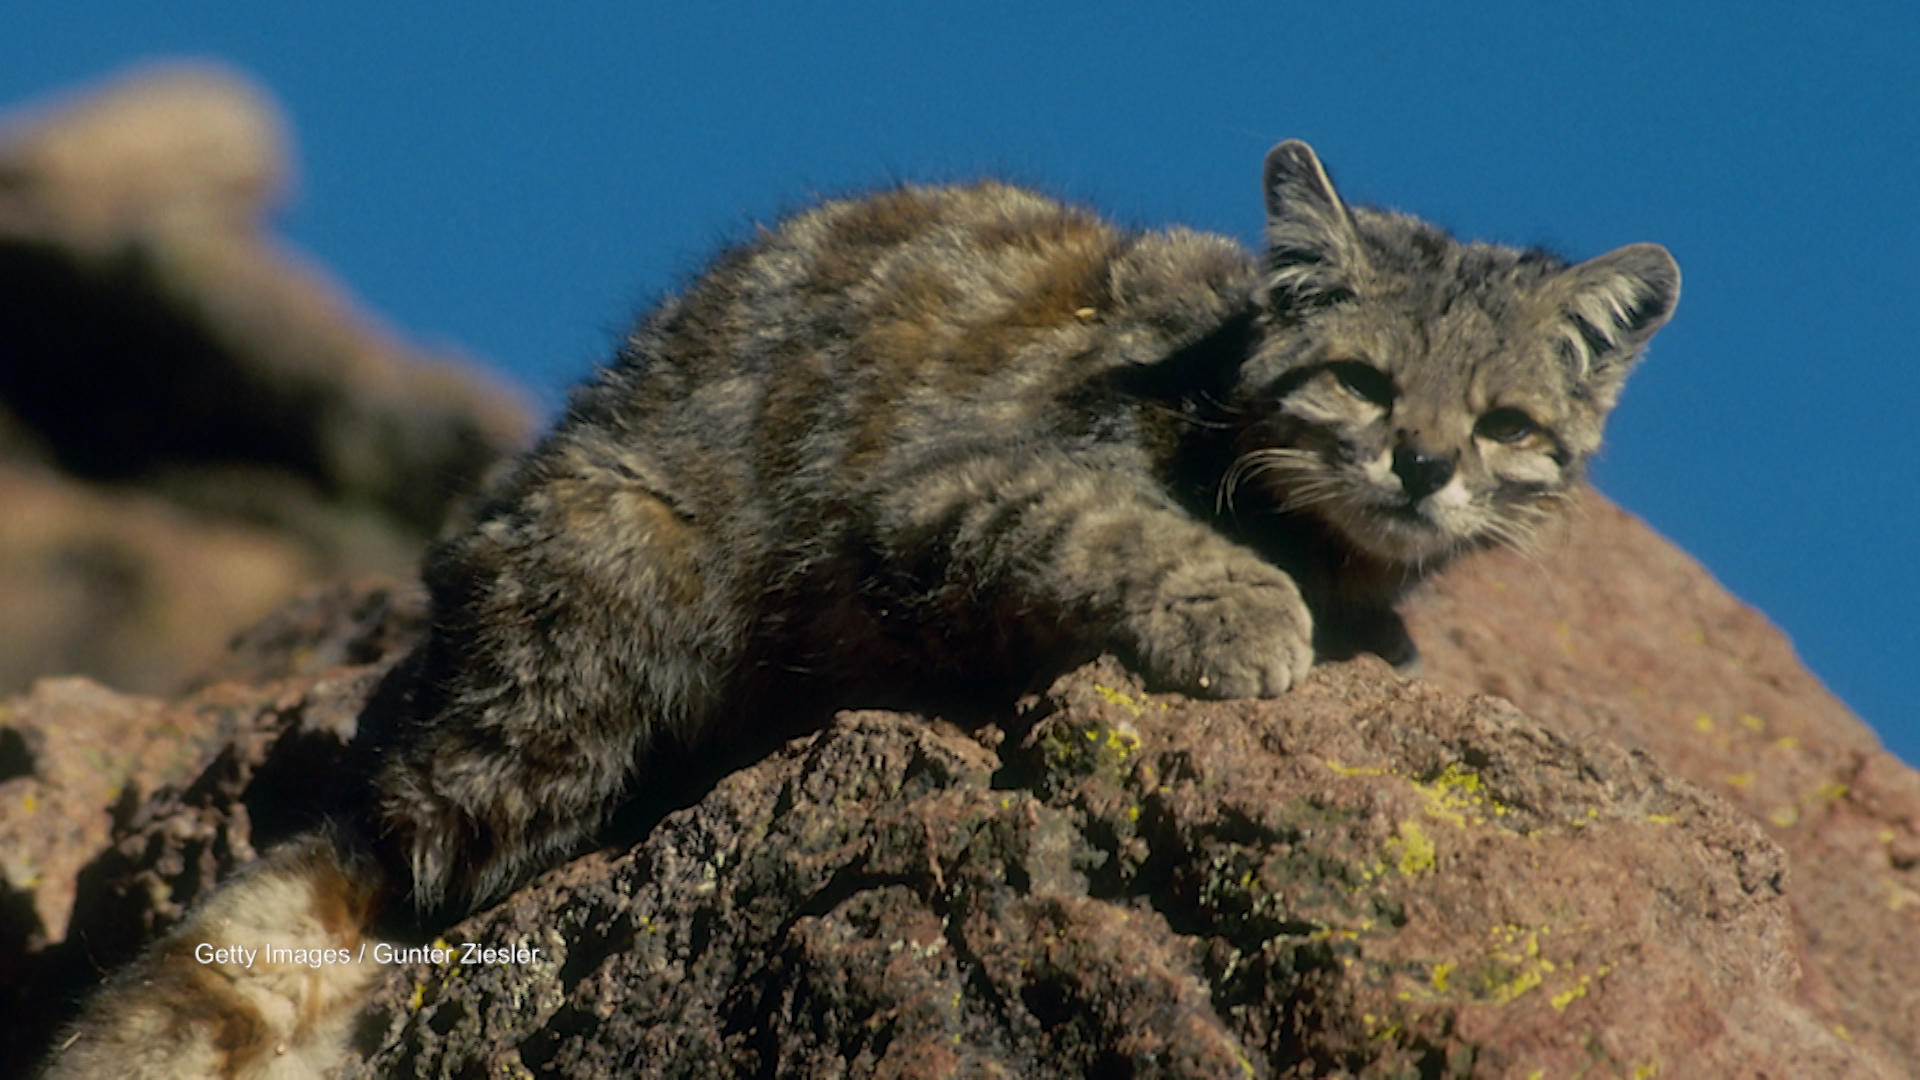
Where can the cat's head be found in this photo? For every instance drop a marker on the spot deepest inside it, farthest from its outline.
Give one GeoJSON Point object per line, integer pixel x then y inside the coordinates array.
{"type": "Point", "coordinates": [1421, 395]}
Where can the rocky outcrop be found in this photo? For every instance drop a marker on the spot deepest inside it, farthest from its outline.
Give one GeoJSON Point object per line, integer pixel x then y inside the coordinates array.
{"type": "Point", "coordinates": [194, 423]}
{"type": "Point", "coordinates": [1369, 875]}
{"type": "Point", "coordinates": [1614, 634]}
{"type": "Point", "coordinates": [118, 811]}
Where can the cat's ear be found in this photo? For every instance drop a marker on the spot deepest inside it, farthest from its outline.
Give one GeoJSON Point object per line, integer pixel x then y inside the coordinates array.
{"type": "Point", "coordinates": [1612, 305]}
{"type": "Point", "coordinates": [1314, 255]}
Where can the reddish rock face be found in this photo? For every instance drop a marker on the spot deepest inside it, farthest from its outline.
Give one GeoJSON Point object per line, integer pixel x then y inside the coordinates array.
{"type": "Point", "coordinates": [1368, 875]}
{"type": "Point", "coordinates": [1613, 633]}
{"type": "Point", "coordinates": [117, 812]}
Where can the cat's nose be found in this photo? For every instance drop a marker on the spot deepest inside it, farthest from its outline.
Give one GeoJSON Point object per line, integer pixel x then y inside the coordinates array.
{"type": "Point", "coordinates": [1421, 473]}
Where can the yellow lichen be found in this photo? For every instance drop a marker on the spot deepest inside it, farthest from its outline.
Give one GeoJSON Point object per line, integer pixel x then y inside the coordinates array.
{"type": "Point", "coordinates": [1703, 723]}
{"type": "Point", "coordinates": [1341, 933]}
{"type": "Point", "coordinates": [1739, 780]}
{"type": "Point", "coordinates": [1512, 988]}
{"type": "Point", "coordinates": [1752, 723]}
{"type": "Point", "coordinates": [1566, 997]}
{"type": "Point", "coordinates": [1125, 701]}
{"type": "Point", "coordinates": [1412, 850]}
{"type": "Point", "coordinates": [1120, 740]}
{"type": "Point", "coordinates": [1457, 796]}
{"type": "Point", "coordinates": [1380, 1028]}
{"type": "Point", "coordinates": [1515, 965]}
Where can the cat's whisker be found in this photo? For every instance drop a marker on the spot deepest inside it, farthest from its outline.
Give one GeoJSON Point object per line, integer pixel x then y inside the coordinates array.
{"type": "Point", "coordinates": [1254, 463]}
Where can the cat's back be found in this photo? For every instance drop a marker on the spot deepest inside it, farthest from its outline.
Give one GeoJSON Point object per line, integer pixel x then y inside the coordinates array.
{"type": "Point", "coordinates": [919, 301]}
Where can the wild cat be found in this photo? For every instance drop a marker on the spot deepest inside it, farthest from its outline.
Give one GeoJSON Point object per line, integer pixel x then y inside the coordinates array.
{"type": "Point", "coordinates": [934, 438]}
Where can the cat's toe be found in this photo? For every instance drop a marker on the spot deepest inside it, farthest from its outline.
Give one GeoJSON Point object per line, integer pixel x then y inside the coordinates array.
{"type": "Point", "coordinates": [1270, 676]}
{"type": "Point", "coordinates": [1244, 634]}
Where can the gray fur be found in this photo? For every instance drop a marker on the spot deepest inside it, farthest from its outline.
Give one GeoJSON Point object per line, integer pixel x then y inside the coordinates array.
{"type": "Point", "coordinates": [957, 439]}
{"type": "Point", "coordinates": [951, 434]}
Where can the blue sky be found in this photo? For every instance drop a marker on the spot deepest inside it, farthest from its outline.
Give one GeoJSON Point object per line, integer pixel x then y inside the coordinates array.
{"type": "Point", "coordinates": [520, 183]}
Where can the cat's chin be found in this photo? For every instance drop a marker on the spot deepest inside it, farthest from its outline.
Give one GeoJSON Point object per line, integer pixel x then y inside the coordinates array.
{"type": "Point", "coordinates": [1396, 533]}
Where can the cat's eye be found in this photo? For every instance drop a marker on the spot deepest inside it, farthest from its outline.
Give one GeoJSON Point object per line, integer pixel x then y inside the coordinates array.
{"type": "Point", "coordinates": [1505, 425]}
{"type": "Point", "coordinates": [1363, 381]}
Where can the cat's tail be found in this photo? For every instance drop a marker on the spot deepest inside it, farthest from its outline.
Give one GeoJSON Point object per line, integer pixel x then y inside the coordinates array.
{"type": "Point", "coordinates": [262, 979]}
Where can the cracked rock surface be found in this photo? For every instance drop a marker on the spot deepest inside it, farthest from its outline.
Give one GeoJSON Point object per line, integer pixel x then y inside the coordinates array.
{"type": "Point", "coordinates": [1367, 877]}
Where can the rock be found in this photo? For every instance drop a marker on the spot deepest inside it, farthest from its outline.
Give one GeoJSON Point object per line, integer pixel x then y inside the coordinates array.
{"type": "Point", "coordinates": [1367, 876]}
{"type": "Point", "coordinates": [1613, 633]}
{"type": "Point", "coordinates": [128, 586]}
{"type": "Point", "coordinates": [75, 753]}
{"type": "Point", "coordinates": [370, 621]}
{"type": "Point", "coordinates": [194, 424]}
{"type": "Point", "coordinates": [117, 811]}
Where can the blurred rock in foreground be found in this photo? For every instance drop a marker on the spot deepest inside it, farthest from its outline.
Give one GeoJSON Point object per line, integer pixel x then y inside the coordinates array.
{"type": "Point", "coordinates": [193, 422]}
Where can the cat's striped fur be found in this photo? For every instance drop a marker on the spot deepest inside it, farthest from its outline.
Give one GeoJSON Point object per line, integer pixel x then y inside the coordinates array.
{"type": "Point", "coordinates": [952, 439]}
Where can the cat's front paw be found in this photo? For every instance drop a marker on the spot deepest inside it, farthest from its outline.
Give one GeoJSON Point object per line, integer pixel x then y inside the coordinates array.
{"type": "Point", "coordinates": [1226, 631]}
